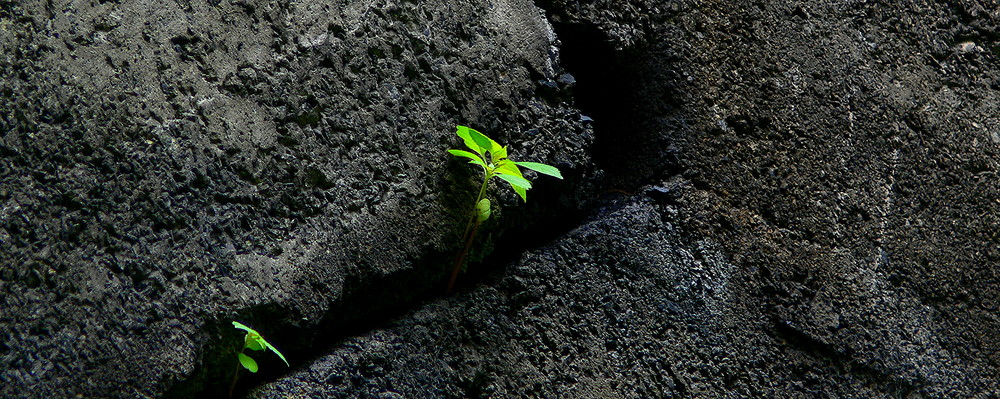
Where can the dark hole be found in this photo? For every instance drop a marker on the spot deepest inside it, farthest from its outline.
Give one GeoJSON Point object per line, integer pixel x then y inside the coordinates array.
{"type": "Point", "coordinates": [609, 88]}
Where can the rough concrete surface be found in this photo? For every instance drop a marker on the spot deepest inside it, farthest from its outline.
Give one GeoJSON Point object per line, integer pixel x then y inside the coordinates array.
{"type": "Point", "coordinates": [762, 199]}
{"type": "Point", "coordinates": [170, 166]}
{"type": "Point", "coordinates": [623, 306]}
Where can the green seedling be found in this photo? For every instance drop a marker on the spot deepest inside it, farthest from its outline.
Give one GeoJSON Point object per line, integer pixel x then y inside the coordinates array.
{"type": "Point", "coordinates": [255, 342]}
{"type": "Point", "coordinates": [492, 158]}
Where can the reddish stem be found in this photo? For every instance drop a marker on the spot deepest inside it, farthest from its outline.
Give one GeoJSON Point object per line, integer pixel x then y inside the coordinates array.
{"type": "Point", "coordinates": [461, 258]}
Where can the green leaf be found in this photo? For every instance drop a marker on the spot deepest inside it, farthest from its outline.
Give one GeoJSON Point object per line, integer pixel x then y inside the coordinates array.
{"type": "Point", "coordinates": [243, 327]}
{"type": "Point", "coordinates": [254, 343]}
{"type": "Point", "coordinates": [275, 350]}
{"type": "Point", "coordinates": [463, 132]}
{"type": "Point", "coordinates": [483, 209]}
{"type": "Point", "coordinates": [498, 153]}
{"type": "Point", "coordinates": [484, 142]}
{"type": "Point", "coordinates": [248, 362]}
{"type": "Point", "coordinates": [474, 159]}
{"type": "Point", "coordinates": [541, 168]}
{"type": "Point", "coordinates": [508, 167]}
{"type": "Point", "coordinates": [516, 182]}
{"type": "Point", "coordinates": [521, 192]}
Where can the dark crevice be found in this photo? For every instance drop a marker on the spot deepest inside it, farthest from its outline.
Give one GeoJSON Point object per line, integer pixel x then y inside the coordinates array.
{"type": "Point", "coordinates": [513, 243]}
{"type": "Point", "coordinates": [609, 89]}
{"type": "Point", "coordinates": [367, 306]}
{"type": "Point", "coordinates": [602, 89]}
{"type": "Point", "coordinates": [605, 91]}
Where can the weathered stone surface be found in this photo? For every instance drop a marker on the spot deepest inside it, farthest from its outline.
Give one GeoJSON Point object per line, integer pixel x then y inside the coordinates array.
{"type": "Point", "coordinates": [798, 200]}
{"type": "Point", "coordinates": [630, 305]}
{"type": "Point", "coordinates": [836, 149]}
{"type": "Point", "coordinates": [169, 166]}
{"type": "Point", "coordinates": [837, 155]}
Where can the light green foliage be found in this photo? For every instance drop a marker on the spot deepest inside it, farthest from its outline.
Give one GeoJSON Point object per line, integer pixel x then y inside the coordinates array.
{"type": "Point", "coordinates": [254, 342]}
{"type": "Point", "coordinates": [491, 157]}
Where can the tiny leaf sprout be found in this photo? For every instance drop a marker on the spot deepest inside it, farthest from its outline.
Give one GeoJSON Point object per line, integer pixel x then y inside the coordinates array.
{"type": "Point", "coordinates": [491, 157]}
{"type": "Point", "coordinates": [254, 342]}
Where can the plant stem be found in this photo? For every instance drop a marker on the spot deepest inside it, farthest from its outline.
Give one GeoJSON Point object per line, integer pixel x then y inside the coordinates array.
{"type": "Point", "coordinates": [470, 232]}
{"type": "Point", "coordinates": [236, 375]}
{"type": "Point", "coordinates": [461, 258]}
{"type": "Point", "coordinates": [482, 194]}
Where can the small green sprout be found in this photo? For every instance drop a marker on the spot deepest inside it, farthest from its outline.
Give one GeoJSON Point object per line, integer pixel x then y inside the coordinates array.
{"type": "Point", "coordinates": [254, 342]}
{"type": "Point", "coordinates": [492, 158]}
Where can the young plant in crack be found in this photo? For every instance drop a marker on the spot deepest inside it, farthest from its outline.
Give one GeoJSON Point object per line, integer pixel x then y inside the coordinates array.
{"type": "Point", "coordinates": [492, 158]}
{"type": "Point", "coordinates": [255, 342]}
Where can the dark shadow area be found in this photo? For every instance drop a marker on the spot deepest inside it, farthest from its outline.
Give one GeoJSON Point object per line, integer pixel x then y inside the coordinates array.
{"type": "Point", "coordinates": [602, 91]}
{"type": "Point", "coordinates": [375, 304]}
{"type": "Point", "coordinates": [630, 143]}
{"type": "Point", "coordinates": [515, 241]}
{"type": "Point", "coordinates": [366, 306]}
